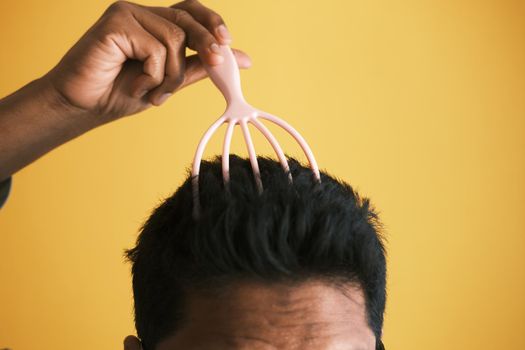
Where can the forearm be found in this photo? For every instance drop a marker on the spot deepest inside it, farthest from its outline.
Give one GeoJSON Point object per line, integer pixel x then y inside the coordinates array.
{"type": "Point", "coordinates": [33, 121]}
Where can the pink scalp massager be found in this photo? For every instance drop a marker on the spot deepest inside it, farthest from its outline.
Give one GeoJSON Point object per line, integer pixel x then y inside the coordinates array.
{"type": "Point", "coordinates": [227, 78]}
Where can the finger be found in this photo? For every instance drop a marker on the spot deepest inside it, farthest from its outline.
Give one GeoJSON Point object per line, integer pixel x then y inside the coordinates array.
{"type": "Point", "coordinates": [198, 37]}
{"type": "Point", "coordinates": [171, 83]}
{"type": "Point", "coordinates": [150, 51]}
{"type": "Point", "coordinates": [195, 71]}
{"type": "Point", "coordinates": [173, 39]}
{"type": "Point", "coordinates": [136, 43]}
{"type": "Point", "coordinates": [211, 20]}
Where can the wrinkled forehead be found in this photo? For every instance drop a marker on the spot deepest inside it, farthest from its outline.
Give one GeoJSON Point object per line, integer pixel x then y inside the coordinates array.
{"type": "Point", "coordinates": [310, 315]}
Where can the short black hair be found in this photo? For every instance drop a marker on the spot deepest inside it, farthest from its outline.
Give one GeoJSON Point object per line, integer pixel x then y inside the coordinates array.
{"type": "Point", "coordinates": [289, 232]}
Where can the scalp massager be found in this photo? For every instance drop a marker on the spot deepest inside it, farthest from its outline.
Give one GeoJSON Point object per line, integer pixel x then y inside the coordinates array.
{"type": "Point", "coordinates": [238, 112]}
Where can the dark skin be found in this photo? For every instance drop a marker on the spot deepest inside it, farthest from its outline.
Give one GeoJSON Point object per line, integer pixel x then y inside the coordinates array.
{"type": "Point", "coordinates": [313, 315]}
{"type": "Point", "coordinates": [132, 58]}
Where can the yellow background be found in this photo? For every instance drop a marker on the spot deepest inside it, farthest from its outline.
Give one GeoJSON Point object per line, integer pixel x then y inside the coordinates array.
{"type": "Point", "coordinates": [418, 104]}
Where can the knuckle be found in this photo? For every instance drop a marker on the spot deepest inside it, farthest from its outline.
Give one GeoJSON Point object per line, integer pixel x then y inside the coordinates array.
{"type": "Point", "coordinates": [109, 30]}
{"type": "Point", "coordinates": [215, 19]}
{"type": "Point", "coordinates": [117, 12]}
{"type": "Point", "coordinates": [119, 6]}
{"type": "Point", "coordinates": [157, 60]}
{"type": "Point", "coordinates": [157, 79]}
{"type": "Point", "coordinates": [180, 15]}
{"type": "Point", "coordinates": [159, 51]}
{"type": "Point", "coordinates": [176, 33]}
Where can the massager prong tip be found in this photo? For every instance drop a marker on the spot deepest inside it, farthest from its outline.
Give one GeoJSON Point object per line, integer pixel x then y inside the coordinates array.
{"type": "Point", "coordinates": [252, 154]}
{"type": "Point", "coordinates": [197, 163]}
{"type": "Point", "coordinates": [295, 134]}
{"type": "Point", "coordinates": [226, 153]}
{"type": "Point", "coordinates": [275, 145]}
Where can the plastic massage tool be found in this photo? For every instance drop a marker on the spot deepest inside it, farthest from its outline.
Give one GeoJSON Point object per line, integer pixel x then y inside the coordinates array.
{"type": "Point", "coordinates": [227, 78]}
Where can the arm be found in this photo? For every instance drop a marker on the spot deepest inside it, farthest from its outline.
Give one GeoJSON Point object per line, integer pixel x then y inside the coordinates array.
{"type": "Point", "coordinates": [33, 121]}
{"type": "Point", "coordinates": [133, 57]}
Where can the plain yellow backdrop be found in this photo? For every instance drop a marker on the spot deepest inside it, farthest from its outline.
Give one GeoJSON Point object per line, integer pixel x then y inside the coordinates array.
{"type": "Point", "coordinates": [418, 104]}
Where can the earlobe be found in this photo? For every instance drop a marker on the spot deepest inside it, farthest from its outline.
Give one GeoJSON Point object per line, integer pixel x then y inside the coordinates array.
{"type": "Point", "coordinates": [132, 343]}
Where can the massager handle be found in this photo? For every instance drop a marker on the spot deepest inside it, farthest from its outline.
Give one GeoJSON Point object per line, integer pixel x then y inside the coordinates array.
{"type": "Point", "coordinates": [226, 76]}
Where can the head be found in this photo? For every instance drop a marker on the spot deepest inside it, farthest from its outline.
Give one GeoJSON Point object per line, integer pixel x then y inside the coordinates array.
{"type": "Point", "coordinates": [300, 266]}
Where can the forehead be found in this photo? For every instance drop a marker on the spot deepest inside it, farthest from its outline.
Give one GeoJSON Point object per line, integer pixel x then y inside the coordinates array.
{"type": "Point", "coordinates": [258, 316]}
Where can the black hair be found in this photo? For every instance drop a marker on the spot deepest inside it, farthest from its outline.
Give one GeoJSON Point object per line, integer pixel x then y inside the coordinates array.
{"type": "Point", "coordinates": [292, 231]}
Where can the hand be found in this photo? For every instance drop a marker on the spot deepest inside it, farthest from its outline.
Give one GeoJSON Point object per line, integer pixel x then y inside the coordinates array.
{"type": "Point", "coordinates": [134, 56]}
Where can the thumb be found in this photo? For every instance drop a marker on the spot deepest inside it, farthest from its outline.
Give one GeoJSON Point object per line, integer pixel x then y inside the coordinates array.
{"type": "Point", "coordinates": [195, 70]}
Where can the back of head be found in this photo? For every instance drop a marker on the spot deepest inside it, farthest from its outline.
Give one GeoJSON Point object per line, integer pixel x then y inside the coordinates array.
{"type": "Point", "coordinates": [290, 233]}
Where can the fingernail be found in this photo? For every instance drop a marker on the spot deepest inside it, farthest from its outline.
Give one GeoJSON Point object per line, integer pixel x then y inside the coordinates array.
{"type": "Point", "coordinates": [215, 48]}
{"type": "Point", "coordinates": [163, 98]}
{"type": "Point", "coordinates": [248, 62]}
{"type": "Point", "coordinates": [224, 33]}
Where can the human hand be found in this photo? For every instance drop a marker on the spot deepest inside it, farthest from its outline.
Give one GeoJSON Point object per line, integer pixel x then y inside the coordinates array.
{"type": "Point", "coordinates": [134, 56]}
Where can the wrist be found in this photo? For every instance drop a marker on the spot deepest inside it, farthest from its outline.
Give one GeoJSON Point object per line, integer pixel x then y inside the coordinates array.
{"type": "Point", "coordinates": [58, 107]}
{"type": "Point", "coordinates": [34, 120]}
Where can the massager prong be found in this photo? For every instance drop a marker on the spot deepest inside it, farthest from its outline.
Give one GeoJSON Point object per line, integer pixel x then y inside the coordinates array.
{"type": "Point", "coordinates": [226, 153]}
{"type": "Point", "coordinates": [197, 163]}
{"type": "Point", "coordinates": [275, 145]}
{"type": "Point", "coordinates": [253, 155]}
{"type": "Point", "coordinates": [227, 79]}
{"type": "Point", "coordinates": [295, 134]}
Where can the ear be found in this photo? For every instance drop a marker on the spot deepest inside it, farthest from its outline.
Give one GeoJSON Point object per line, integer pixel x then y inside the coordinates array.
{"type": "Point", "coordinates": [132, 343]}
